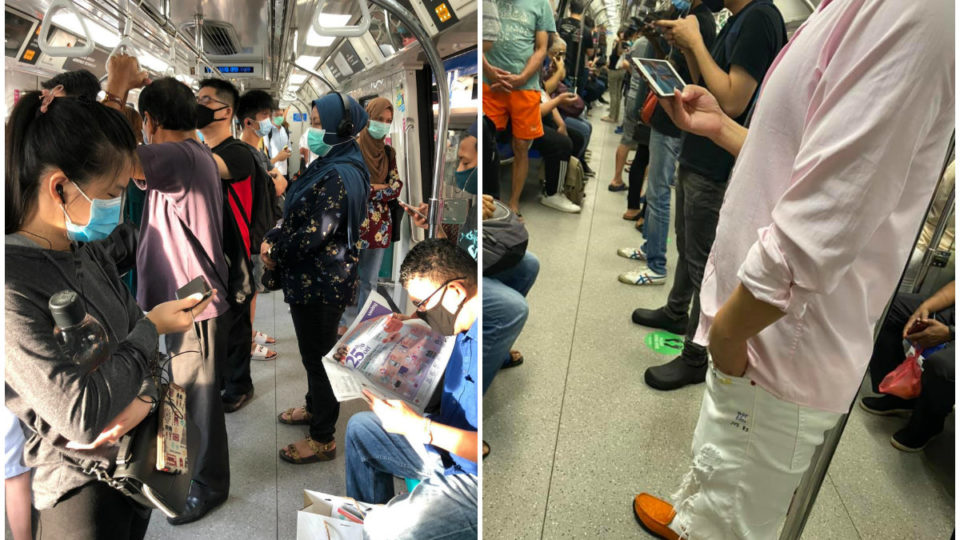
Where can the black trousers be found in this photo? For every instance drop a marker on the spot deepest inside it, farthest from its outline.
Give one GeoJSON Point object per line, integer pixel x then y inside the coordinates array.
{"type": "Point", "coordinates": [235, 379]}
{"type": "Point", "coordinates": [936, 399]}
{"type": "Point", "coordinates": [491, 160]}
{"type": "Point", "coordinates": [556, 149]}
{"type": "Point", "coordinates": [200, 351]}
{"type": "Point", "coordinates": [94, 511]}
{"type": "Point", "coordinates": [316, 328]}
{"type": "Point", "coordinates": [698, 211]}
{"type": "Point", "coordinates": [637, 170]}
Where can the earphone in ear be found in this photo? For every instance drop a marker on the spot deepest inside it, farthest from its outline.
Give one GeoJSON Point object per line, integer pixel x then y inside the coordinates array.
{"type": "Point", "coordinates": [345, 127]}
{"type": "Point", "coordinates": [59, 189]}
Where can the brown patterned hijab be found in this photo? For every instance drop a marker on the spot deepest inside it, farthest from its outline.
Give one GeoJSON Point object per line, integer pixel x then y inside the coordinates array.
{"type": "Point", "coordinates": [374, 151]}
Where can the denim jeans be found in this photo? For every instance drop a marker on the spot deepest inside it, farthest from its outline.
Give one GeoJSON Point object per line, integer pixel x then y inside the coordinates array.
{"type": "Point", "coordinates": [505, 312]}
{"type": "Point", "coordinates": [441, 506]}
{"type": "Point", "coordinates": [584, 128]}
{"type": "Point", "coordinates": [368, 270]}
{"type": "Point", "coordinates": [664, 153]}
{"type": "Point", "coordinates": [698, 211]}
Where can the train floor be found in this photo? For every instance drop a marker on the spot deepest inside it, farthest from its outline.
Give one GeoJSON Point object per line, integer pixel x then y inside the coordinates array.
{"type": "Point", "coordinates": [575, 433]}
{"type": "Point", "coordinates": [265, 491]}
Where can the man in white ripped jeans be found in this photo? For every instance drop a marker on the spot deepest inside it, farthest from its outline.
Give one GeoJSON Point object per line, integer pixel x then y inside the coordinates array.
{"type": "Point", "coordinates": [824, 202]}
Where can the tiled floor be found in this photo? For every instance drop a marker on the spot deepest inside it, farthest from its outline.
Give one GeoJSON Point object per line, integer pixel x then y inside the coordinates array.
{"type": "Point", "coordinates": [575, 433]}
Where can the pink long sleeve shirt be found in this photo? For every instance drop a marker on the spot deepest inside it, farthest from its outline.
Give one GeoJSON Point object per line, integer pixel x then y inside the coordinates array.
{"type": "Point", "coordinates": [844, 150]}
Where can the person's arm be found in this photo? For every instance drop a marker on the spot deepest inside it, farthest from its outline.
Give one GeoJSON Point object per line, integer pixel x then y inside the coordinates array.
{"type": "Point", "coordinates": [561, 125]}
{"type": "Point", "coordinates": [553, 81]}
{"type": "Point", "coordinates": [940, 301]}
{"type": "Point", "coordinates": [222, 168]}
{"type": "Point", "coordinates": [696, 111]}
{"type": "Point", "coordinates": [847, 180]}
{"type": "Point", "coordinates": [397, 417]}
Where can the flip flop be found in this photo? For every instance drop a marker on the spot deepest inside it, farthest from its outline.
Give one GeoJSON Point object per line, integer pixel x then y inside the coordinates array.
{"type": "Point", "coordinates": [325, 452]}
{"type": "Point", "coordinates": [621, 187]}
{"type": "Point", "coordinates": [290, 421]}
{"type": "Point", "coordinates": [260, 352]}
{"type": "Point", "coordinates": [263, 339]}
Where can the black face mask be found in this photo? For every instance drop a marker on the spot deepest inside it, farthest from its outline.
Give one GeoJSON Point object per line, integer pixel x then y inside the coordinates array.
{"type": "Point", "coordinates": [713, 5]}
{"type": "Point", "coordinates": [438, 317]}
{"type": "Point", "coordinates": [205, 116]}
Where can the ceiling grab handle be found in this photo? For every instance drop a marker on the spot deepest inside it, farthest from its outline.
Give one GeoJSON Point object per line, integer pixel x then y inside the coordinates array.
{"type": "Point", "coordinates": [443, 114]}
{"type": "Point", "coordinates": [345, 31]}
{"type": "Point", "coordinates": [68, 52]}
{"type": "Point", "coordinates": [314, 73]}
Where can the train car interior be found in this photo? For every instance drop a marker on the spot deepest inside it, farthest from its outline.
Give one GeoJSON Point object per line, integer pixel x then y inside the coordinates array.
{"type": "Point", "coordinates": [421, 55]}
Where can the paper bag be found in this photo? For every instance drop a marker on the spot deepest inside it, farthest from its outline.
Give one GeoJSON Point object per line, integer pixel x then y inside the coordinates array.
{"type": "Point", "coordinates": [320, 520]}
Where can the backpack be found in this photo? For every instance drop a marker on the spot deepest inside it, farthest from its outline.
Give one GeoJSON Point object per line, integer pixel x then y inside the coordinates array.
{"type": "Point", "coordinates": [505, 240]}
{"type": "Point", "coordinates": [573, 181]}
{"type": "Point", "coordinates": [240, 283]}
{"type": "Point", "coordinates": [266, 210]}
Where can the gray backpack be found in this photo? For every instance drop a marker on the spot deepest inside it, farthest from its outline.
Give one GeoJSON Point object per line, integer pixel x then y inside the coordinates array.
{"type": "Point", "coordinates": [505, 240]}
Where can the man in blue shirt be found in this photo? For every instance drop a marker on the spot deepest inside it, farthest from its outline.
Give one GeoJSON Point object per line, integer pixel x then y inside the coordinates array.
{"type": "Point", "coordinates": [440, 450]}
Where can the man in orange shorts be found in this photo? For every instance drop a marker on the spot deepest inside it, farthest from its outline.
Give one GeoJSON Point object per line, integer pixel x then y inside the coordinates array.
{"type": "Point", "coordinates": [511, 90]}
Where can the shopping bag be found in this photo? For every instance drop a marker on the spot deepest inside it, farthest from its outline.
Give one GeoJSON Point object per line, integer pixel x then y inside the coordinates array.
{"type": "Point", "coordinates": [327, 517]}
{"type": "Point", "coordinates": [904, 382]}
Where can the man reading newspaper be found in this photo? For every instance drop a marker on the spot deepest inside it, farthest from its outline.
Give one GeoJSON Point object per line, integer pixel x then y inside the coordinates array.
{"type": "Point", "coordinates": [439, 450]}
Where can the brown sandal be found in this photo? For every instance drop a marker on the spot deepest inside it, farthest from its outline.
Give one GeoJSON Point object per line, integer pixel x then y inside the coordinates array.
{"type": "Point", "coordinates": [321, 452]}
{"type": "Point", "coordinates": [289, 417]}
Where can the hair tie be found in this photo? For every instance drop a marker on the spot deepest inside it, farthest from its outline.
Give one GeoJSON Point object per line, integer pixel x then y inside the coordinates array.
{"type": "Point", "coordinates": [47, 96]}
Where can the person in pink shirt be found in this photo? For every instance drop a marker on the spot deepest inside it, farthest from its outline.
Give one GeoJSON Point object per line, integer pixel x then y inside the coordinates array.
{"type": "Point", "coordinates": [828, 192]}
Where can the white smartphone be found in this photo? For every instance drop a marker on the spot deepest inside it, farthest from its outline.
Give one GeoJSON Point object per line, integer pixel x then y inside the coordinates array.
{"type": "Point", "coordinates": [660, 76]}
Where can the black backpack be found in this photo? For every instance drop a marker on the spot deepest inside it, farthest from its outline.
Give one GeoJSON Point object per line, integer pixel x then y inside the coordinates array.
{"type": "Point", "coordinates": [266, 206]}
{"type": "Point", "coordinates": [240, 284]}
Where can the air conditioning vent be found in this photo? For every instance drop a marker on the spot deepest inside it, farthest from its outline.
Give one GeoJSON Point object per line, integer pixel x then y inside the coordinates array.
{"type": "Point", "coordinates": [219, 37]}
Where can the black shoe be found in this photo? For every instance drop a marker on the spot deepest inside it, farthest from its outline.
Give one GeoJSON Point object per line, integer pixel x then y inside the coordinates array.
{"type": "Point", "coordinates": [233, 405]}
{"type": "Point", "coordinates": [198, 505]}
{"type": "Point", "coordinates": [602, 100]}
{"type": "Point", "coordinates": [675, 374]}
{"type": "Point", "coordinates": [912, 439]}
{"type": "Point", "coordinates": [886, 405]}
{"type": "Point", "coordinates": [657, 318]}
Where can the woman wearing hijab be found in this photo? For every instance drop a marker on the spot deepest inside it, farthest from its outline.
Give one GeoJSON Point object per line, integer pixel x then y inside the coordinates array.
{"type": "Point", "coordinates": [385, 186]}
{"type": "Point", "coordinates": [315, 251]}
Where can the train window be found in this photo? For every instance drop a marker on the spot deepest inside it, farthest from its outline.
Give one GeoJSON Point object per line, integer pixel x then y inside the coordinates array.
{"type": "Point", "coordinates": [388, 32]}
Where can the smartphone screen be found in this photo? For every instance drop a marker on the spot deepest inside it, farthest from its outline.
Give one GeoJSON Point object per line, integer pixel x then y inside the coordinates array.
{"type": "Point", "coordinates": [660, 76]}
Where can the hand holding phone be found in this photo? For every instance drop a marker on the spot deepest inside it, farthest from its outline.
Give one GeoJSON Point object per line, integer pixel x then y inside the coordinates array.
{"type": "Point", "coordinates": [197, 285]}
{"type": "Point", "coordinates": [411, 210]}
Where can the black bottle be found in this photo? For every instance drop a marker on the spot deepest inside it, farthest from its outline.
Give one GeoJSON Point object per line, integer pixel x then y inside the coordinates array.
{"type": "Point", "coordinates": [81, 337]}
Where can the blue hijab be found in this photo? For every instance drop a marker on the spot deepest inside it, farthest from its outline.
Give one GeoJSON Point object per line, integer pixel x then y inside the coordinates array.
{"type": "Point", "coordinates": [344, 159]}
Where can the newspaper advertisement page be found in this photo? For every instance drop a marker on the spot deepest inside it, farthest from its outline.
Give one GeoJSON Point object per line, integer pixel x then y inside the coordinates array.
{"type": "Point", "coordinates": [392, 359]}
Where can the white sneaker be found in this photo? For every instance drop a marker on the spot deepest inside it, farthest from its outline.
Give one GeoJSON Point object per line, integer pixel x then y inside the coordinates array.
{"type": "Point", "coordinates": [560, 202]}
{"type": "Point", "coordinates": [643, 276]}
{"type": "Point", "coordinates": [635, 254]}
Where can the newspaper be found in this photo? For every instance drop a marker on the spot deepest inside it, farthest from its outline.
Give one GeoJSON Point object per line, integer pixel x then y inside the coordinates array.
{"type": "Point", "coordinates": [392, 359]}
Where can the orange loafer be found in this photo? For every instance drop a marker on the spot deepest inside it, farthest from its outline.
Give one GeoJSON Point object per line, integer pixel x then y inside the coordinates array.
{"type": "Point", "coordinates": [654, 515]}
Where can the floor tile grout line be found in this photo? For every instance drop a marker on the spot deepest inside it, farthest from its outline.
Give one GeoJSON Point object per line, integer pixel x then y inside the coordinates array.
{"type": "Point", "coordinates": [566, 375]}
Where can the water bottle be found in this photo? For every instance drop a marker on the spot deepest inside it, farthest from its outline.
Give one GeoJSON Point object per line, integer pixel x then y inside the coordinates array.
{"type": "Point", "coordinates": [81, 337]}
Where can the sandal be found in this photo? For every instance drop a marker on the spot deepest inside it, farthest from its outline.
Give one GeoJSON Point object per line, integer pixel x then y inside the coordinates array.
{"type": "Point", "coordinates": [286, 417]}
{"type": "Point", "coordinates": [632, 216]}
{"type": "Point", "coordinates": [621, 187]}
{"type": "Point", "coordinates": [515, 360]}
{"type": "Point", "coordinates": [260, 352]}
{"type": "Point", "coordinates": [263, 339]}
{"type": "Point", "coordinates": [321, 452]}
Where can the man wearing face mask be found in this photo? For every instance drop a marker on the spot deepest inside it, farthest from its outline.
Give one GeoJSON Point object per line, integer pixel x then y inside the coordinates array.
{"type": "Point", "coordinates": [217, 100]}
{"type": "Point", "coordinates": [277, 141]}
{"type": "Point", "coordinates": [732, 70]}
{"type": "Point", "coordinates": [439, 450]}
{"type": "Point", "coordinates": [180, 239]}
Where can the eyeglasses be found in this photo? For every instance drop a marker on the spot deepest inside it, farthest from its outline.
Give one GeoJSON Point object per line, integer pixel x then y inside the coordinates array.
{"type": "Point", "coordinates": [207, 100]}
{"type": "Point", "coordinates": [419, 305]}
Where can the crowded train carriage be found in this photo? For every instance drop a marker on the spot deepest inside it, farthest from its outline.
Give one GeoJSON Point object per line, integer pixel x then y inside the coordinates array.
{"type": "Point", "coordinates": [597, 376]}
{"type": "Point", "coordinates": [203, 198]}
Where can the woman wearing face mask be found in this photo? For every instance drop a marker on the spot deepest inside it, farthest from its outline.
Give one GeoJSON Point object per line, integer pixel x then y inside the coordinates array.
{"type": "Point", "coordinates": [385, 186]}
{"type": "Point", "coordinates": [315, 253]}
{"type": "Point", "coordinates": [68, 161]}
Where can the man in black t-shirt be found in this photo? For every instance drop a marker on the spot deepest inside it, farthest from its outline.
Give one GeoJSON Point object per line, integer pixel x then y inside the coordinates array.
{"type": "Point", "coordinates": [579, 37]}
{"type": "Point", "coordinates": [732, 70]}
{"type": "Point", "coordinates": [236, 165]}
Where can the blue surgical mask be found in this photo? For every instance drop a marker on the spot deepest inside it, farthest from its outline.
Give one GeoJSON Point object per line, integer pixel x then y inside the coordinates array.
{"type": "Point", "coordinates": [316, 143]}
{"type": "Point", "coordinates": [681, 5]}
{"type": "Point", "coordinates": [104, 218]}
{"type": "Point", "coordinates": [265, 127]}
{"type": "Point", "coordinates": [467, 180]}
{"type": "Point", "coordinates": [378, 130]}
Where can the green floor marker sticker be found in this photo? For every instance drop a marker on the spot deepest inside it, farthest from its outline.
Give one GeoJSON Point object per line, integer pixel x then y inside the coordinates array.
{"type": "Point", "coordinates": [662, 342]}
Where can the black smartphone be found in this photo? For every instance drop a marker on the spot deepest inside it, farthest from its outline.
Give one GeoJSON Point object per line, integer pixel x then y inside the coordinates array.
{"type": "Point", "coordinates": [197, 286]}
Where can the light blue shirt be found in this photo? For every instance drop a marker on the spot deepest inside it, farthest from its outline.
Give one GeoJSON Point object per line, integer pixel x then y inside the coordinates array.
{"type": "Point", "coordinates": [276, 140]}
{"type": "Point", "coordinates": [520, 20]}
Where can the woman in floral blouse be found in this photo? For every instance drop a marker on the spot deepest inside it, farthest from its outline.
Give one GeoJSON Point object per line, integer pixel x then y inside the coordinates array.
{"type": "Point", "coordinates": [314, 253]}
{"type": "Point", "coordinates": [385, 186]}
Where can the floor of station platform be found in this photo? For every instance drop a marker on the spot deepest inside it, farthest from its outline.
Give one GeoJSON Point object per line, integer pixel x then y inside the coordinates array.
{"type": "Point", "coordinates": [575, 433]}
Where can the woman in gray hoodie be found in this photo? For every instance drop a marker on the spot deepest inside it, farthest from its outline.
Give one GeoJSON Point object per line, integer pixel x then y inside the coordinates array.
{"type": "Point", "coordinates": [68, 161]}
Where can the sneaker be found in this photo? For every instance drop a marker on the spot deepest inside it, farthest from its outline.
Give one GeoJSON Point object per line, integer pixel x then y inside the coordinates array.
{"type": "Point", "coordinates": [618, 131]}
{"type": "Point", "coordinates": [635, 254]}
{"type": "Point", "coordinates": [886, 405]}
{"type": "Point", "coordinates": [643, 276]}
{"type": "Point", "coordinates": [654, 515]}
{"type": "Point", "coordinates": [910, 439]}
{"type": "Point", "coordinates": [559, 202]}
{"type": "Point", "coordinates": [675, 374]}
{"type": "Point", "coordinates": [657, 318]}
